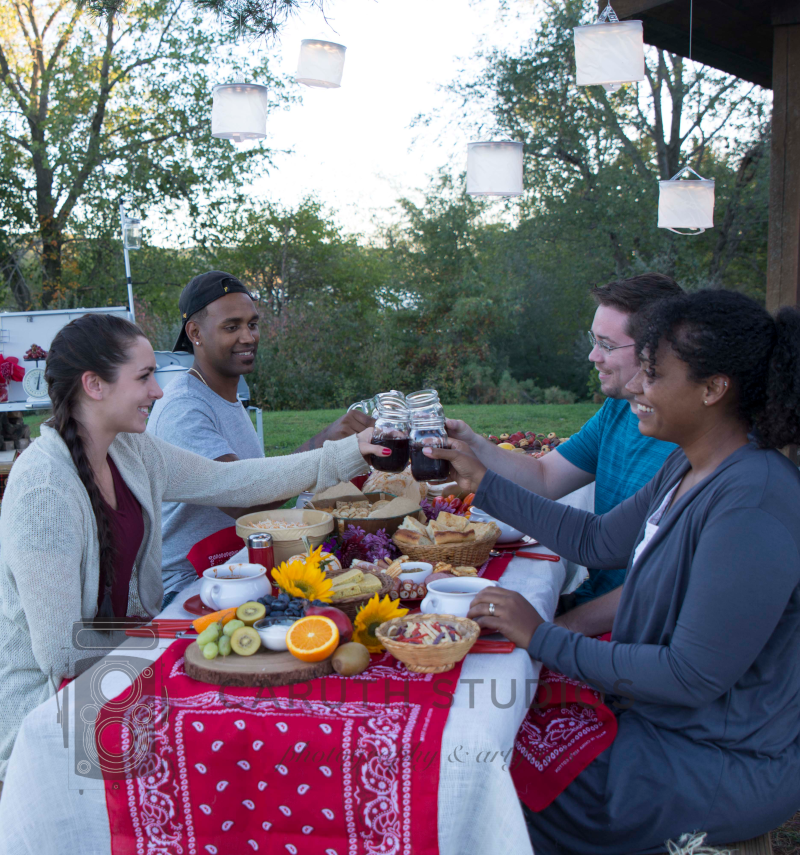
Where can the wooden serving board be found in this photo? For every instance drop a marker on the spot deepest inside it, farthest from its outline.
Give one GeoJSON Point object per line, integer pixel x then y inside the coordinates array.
{"type": "Point", "coordinates": [263, 668]}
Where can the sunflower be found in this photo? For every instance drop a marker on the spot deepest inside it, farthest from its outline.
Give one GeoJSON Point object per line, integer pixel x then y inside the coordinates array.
{"type": "Point", "coordinates": [303, 579]}
{"type": "Point", "coordinates": [370, 616]}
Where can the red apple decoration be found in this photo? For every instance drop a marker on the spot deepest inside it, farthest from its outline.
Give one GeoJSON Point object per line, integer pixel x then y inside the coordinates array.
{"type": "Point", "coordinates": [341, 620]}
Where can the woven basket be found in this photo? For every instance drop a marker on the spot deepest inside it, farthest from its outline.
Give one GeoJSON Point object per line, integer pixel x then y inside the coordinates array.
{"type": "Point", "coordinates": [458, 554]}
{"type": "Point", "coordinates": [370, 526]}
{"type": "Point", "coordinates": [427, 658]}
{"type": "Point", "coordinates": [351, 605]}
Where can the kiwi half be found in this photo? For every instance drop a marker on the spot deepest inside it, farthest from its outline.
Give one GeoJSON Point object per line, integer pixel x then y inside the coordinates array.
{"type": "Point", "coordinates": [250, 612]}
{"type": "Point", "coordinates": [245, 641]}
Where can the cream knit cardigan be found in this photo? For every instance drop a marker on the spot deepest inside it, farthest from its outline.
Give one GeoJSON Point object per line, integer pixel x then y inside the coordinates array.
{"type": "Point", "coordinates": [49, 557]}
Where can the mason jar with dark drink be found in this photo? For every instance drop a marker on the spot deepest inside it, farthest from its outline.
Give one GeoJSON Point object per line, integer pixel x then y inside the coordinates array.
{"type": "Point", "coordinates": [427, 429]}
{"type": "Point", "coordinates": [391, 431]}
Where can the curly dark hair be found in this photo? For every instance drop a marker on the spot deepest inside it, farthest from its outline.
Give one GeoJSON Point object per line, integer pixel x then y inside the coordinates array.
{"type": "Point", "coordinates": [724, 332]}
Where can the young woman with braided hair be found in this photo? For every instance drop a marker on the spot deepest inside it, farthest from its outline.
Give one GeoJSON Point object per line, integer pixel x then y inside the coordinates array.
{"type": "Point", "coordinates": [706, 628]}
{"type": "Point", "coordinates": [80, 524]}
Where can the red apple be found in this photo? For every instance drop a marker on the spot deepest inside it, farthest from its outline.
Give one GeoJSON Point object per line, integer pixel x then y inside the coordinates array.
{"type": "Point", "coordinates": [341, 620]}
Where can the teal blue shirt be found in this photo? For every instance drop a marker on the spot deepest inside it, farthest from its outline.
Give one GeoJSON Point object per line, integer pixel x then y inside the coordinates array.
{"type": "Point", "coordinates": [611, 448]}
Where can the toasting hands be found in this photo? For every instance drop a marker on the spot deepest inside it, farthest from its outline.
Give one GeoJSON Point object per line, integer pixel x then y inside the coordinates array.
{"type": "Point", "coordinates": [465, 467]}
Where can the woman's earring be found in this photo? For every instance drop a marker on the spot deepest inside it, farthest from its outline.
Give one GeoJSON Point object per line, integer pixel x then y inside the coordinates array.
{"type": "Point", "coordinates": [705, 402]}
{"type": "Point", "coordinates": [197, 343]}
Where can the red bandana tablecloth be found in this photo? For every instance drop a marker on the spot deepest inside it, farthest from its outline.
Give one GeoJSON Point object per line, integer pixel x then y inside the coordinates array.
{"type": "Point", "coordinates": [566, 727]}
{"type": "Point", "coordinates": [332, 766]}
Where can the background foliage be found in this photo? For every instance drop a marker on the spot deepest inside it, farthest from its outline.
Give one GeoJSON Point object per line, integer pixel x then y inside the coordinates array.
{"type": "Point", "coordinates": [486, 301]}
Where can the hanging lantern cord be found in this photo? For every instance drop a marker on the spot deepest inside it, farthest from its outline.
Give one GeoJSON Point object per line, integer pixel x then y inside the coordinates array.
{"type": "Point", "coordinates": [608, 15]}
{"type": "Point", "coordinates": [691, 12]}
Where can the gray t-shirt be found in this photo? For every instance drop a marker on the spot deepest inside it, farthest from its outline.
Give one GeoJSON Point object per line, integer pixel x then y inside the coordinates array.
{"type": "Point", "coordinates": [193, 417]}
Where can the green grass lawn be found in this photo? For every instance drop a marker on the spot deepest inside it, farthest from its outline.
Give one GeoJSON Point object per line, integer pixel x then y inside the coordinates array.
{"type": "Point", "coordinates": [283, 432]}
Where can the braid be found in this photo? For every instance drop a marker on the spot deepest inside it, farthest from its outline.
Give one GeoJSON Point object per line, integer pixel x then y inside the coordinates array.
{"type": "Point", "coordinates": [97, 343]}
{"type": "Point", "coordinates": [66, 424]}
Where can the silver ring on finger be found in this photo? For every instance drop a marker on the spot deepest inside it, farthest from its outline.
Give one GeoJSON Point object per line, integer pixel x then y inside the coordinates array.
{"type": "Point", "coordinates": [491, 609]}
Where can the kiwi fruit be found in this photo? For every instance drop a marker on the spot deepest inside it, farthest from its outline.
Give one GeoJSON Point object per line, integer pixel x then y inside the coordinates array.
{"type": "Point", "coordinates": [245, 640]}
{"type": "Point", "coordinates": [350, 659]}
{"type": "Point", "coordinates": [231, 626]}
{"type": "Point", "coordinates": [224, 644]}
{"type": "Point", "coordinates": [210, 650]}
{"type": "Point", "coordinates": [210, 633]}
{"type": "Point", "coordinates": [250, 612]}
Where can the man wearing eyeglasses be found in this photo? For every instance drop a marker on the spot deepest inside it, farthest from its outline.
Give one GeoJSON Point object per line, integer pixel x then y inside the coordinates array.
{"type": "Point", "coordinates": [609, 449]}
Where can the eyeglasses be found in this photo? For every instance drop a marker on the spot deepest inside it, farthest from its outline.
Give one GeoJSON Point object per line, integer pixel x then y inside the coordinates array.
{"type": "Point", "coordinates": [606, 347]}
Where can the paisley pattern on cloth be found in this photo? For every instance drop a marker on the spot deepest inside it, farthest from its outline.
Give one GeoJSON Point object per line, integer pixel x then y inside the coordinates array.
{"type": "Point", "coordinates": [332, 766]}
{"type": "Point", "coordinates": [567, 726]}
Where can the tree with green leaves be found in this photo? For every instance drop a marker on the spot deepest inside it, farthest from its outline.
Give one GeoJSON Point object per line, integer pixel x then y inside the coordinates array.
{"type": "Point", "coordinates": [96, 108]}
{"type": "Point", "coordinates": [593, 158]}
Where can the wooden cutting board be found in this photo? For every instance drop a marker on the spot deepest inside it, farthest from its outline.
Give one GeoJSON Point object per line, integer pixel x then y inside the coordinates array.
{"type": "Point", "coordinates": [264, 668]}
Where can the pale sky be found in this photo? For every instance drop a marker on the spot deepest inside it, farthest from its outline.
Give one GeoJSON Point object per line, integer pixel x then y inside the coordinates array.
{"type": "Point", "coordinates": [353, 147]}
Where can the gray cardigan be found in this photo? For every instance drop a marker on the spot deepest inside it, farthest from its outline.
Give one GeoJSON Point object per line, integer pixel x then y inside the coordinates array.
{"type": "Point", "coordinates": [703, 664]}
{"type": "Point", "coordinates": [49, 560]}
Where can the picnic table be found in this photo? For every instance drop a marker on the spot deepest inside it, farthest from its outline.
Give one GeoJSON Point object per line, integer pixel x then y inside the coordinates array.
{"type": "Point", "coordinates": [45, 803]}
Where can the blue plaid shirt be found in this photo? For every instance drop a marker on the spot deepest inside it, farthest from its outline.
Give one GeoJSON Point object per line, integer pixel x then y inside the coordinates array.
{"type": "Point", "coordinates": [611, 448]}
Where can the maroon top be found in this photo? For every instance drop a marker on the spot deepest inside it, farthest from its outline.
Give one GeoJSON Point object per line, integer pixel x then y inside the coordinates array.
{"type": "Point", "coordinates": [127, 526]}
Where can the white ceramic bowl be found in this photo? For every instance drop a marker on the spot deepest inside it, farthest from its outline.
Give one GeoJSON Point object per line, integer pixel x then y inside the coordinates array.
{"type": "Point", "coordinates": [231, 585]}
{"type": "Point", "coordinates": [421, 571]}
{"type": "Point", "coordinates": [507, 533]}
{"type": "Point", "coordinates": [453, 596]}
{"type": "Point", "coordinates": [273, 632]}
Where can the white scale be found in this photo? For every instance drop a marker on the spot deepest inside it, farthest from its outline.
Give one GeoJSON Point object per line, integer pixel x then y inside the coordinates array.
{"type": "Point", "coordinates": [35, 385]}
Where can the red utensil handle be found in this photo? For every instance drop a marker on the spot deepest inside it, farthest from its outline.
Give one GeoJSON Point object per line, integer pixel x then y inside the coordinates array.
{"type": "Point", "coordinates": [487, 646]}
{"type": "Point", "coordinates": [538, 555]}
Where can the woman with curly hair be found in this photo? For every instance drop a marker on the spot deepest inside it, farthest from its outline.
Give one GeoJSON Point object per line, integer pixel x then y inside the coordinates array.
{"type": "Point", "coordinates": [706, 628]}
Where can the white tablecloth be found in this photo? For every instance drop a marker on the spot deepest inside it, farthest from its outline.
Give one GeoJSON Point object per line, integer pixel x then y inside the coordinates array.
{"type": "Point", "coordinates": [46, 808]}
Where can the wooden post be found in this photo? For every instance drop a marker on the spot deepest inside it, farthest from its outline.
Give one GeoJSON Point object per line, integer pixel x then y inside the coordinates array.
{"type": "Point", "coordinates": [783, 255]}
{"type": "Point", "coordinates": [783, 252]}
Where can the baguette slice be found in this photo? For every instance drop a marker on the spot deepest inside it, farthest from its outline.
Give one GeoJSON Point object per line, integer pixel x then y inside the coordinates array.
{"type": "Point", "coordinates": [443, 537]}
{"type": "Point", "coordinates": [452, 522]}
{"type": "Point", "coordinates": [406, 538]}
{"type": "Point", "coordinates": [414, 524]}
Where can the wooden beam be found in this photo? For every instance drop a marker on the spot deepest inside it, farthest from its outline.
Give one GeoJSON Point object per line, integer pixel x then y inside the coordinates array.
{"type": "Point", "coordinates": [783, 252]}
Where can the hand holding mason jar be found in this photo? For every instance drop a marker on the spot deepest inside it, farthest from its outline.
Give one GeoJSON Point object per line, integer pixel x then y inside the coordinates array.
{"type": "Point", "coordinates": [406, 425]}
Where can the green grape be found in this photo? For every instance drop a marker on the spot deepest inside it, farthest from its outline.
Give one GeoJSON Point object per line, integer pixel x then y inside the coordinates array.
{"type": "Point", "coordinates": [210, 633]}
{"type": "Point", "coordinates": [224, 645]}
{"type": "Point", "coordinates": [210, 650]}
{"type": "Point", "coordinates": [231, 626]}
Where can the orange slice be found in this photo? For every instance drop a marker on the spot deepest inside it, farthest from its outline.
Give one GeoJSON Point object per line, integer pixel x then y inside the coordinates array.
{"type": "Point", "coordinates": [313, 638]}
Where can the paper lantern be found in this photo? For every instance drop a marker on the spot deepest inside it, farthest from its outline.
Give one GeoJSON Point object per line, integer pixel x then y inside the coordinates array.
{"type": "Point", "coordinates": [609, 52]}
{"type": "Point", "coordinates": [320, 64]}
{"type": "Point", "coordinates": [686, 204]}
{"type": "Point", "coordinates": [494, 168]}
{"type": "Point", "coordinates": [239, 112]}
